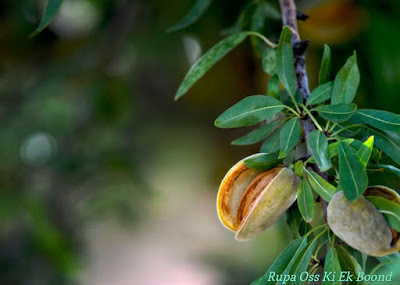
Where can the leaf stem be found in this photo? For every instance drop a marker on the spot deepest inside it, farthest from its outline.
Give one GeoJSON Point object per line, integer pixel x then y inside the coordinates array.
{"type": "Point", "coordinates": [312, 118]}
{"type": "Point", "coordinates": [293, 111]}
{"type": "Point", "coordinates": [327, 125]}
{"type": "Point", "coordinates": [332, 128]}
{"type": "Point", "coordinates": [345, 128]}
{"type": "Point", "coordinates": [265, 40]}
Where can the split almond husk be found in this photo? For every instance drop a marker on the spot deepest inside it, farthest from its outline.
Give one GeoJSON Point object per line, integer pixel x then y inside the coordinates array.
{"type": "Point", "coordinates": [361, 225]}
{"type": "Point", "coordinates": [249, 201]}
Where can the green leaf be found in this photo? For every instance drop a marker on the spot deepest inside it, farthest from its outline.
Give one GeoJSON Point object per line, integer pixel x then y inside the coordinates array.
{"type": "Point", "coordinates": [318, 144]}
{"type": "Point", "coordinates": [249, 111]}
{"type": "Point", "coordinates": [333, 149]}
{"type": "Point", "coordinates": [272, 143]}
{"type": "Point", "coordinates": [322, 187]}
{"type": "Point", "coordinates": [305, 200]}
{"type": "Point", "coordinates": [348, 262]}
{"type": "Point", "coordinates": [389, 209]}
{"type": "Point", "coordinates": [326, 66]}
{"type": "Point", "coordinates": [284, 261]}
{"type": "Point", "coordinates": [364, 153]}
{"type": "Point", "coordinates": [243, 22]}
{"type": "Point", "coordinates": [290, 135]}
{"type": "Point", "coordinates": [50, 12]}
{"type": "Point", "coordinates": [332, 267]}
{"type": "Point", "coordinates": [298, 168]}
{"type": "Point", "coordinates": [336, 113]}
{"type": "Point", "coordinates": [264, 161]}
{"type": "Point", "coordinates": [285, 61]}
{"type": "Point", "coordinates": [389, 145]}
{"type": "Point", "coordinates": [380, 119]}
{"type": "Point", "coordinates": [302, 261]}
{"type": "Point", "coordinates": [204, 63]}
{"type": "Point", "coordinates": [198, 9]}
{"type": "Point", "coordinates": [256, 135]}
{"type": "Point", "coordinates": [353, 177]}
{"type": "Point", "coordinates": [346, 82]}
{"type": "Point", "coordinates": [391, 168]}
{"type": "Point", "coordinates": [320, 94]}
{"type": "Point", "coordinates": [268, 61]}
{"type": "Point", "coordinates": [273, 87]}
{"type": "Point", "coordinates": [293, 220]}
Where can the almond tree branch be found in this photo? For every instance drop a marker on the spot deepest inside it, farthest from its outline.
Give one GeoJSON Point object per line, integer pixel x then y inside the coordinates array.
{"type": "Point", "coordinates": [289, 18]}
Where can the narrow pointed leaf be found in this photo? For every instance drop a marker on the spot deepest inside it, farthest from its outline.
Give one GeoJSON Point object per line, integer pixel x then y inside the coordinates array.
{"type": "Point", "coordinates": [285, 61]}
{"type": "Point", "coordinates": [353, 177]}
{"type": "Point", "coordinates": [326, 66]}
{"type": "Point", "coordinates": [197, 10]}
{"type": "Point", "coordinates": [389, 145]}
{"type": "Point", "coordinates": [249, 111]}
{"type": "Point", "coordinates": [256, 135]}
{"type": "Point", "coordinates": [265, 161]}
{"type": "Point", "coordinates": [389, 209]}
{"type": "Point", "coordinates": [332, 265]}
{"type": "Point", "coordinates": [348, 262]}
{"type": "Point", "coordinates": [272, 143]}
{"type": "Point", "coordinates": [290, 135]}
{"type": "Point", "coordinates": [318, 143]}
{"type": "Point", "coordinates": [322, 187]}
{"type": "Point", "coordinates": [284, 261]}
{"type": "Point", "coordinates": [302, 262]}
{"type": "Point", "coordinates": [204, 63]}
{"type": "Point", "coordinates": [333, 149]}
{"type": "Point", "coordinates": [320, 94]}
{"type": "Point", "coordinates": [364, 153]}
{"type": "Point", "coordinates": [346, 82]}
{"type": "Point", "coordinates": [336, 113]}
{"type": "Point", "coordinates": [305, 201]}
{"type": "Point", "coordinates": [380, 119]}
{"type": "Point", "coordinates": [50, 12]}
{"type": "Point", "coordinates": [273, 87]}
{"type": "Point", "coordinates": [389, 167]}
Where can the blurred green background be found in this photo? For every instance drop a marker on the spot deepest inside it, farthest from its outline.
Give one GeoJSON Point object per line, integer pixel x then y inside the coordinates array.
{"type": "Point", "coordinates": [104, 179]}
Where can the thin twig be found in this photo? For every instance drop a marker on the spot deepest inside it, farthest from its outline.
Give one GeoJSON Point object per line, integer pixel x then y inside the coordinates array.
{"type": "Point", "coordinates": [289, 18]}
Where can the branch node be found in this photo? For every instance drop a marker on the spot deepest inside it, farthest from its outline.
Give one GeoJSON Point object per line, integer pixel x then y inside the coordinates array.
{"type": "Point", "coordinates": [301, 16]}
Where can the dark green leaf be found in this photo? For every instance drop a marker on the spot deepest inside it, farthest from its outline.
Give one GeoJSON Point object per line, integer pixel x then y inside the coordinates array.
{"type": "Point", "coordinates": [322, 187]}
{"type": "Point", "coordinates": [273, 87]}
{"type": "Point", "coordinates": [318, 143]}
{"type": "Point", "coordinates": [284, 261]}
{"type": "Point", "coordinates": [293, 220]}
{"type": "Point", "coordinates": [336, 113]}
{"type": "Point", "coordinates": [256, 135]}
{"type": "Point", "coordinates": [389, 209]}
{"type": "Point", "coordinates": [204, 63]}
{"type": "Point", "coordinates": [346, 82]}
{"type": "Point", "coordinates": [332, 267]}
{"type": "Point", "coordinates": [302, 261]}
{"type": "Point", "coordinates": [326, 64]}
{"type": "Point", "coordinates": [380, 119]}
{"type": "Point", "coordinates": [249, 111]}
{"type": "Point", "coordinates": [285, 61]}
{"type": "Point", "coordinates": [290, 135]}
{"type": "Point", "coordinates": [305, 201]}
{"type": "Point", "coordinates": [272, 143]}
{"type": "Point", "coordinates": [391, 168]}
{"type": "Point", "coordinates": [388, 144]}
{"type": "Point", "coordinates": [348, 262]}
{"type": "Point", "coordinates": [243, 22]}
{"type": "Point", "coordinates": [333, 149]}
{"type": "Point", "coordinates": [364, 152]}
{"type": "Point", "coordinates": [198, 9]}
{"type": "Point", "coordinates": [320, 94]}
{"type": "Point", "coordinates": [264, 161]}
{"type": "Point", "coordinates": [50, 12]}
{"type": "Point", "coordinates": [269, 61]}
{"type": "Point", "coordinates": [353, 177]}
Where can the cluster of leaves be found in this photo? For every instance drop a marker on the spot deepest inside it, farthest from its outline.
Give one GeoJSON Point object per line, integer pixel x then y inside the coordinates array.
{"type": "Point", "coordinates": [347, 144]}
